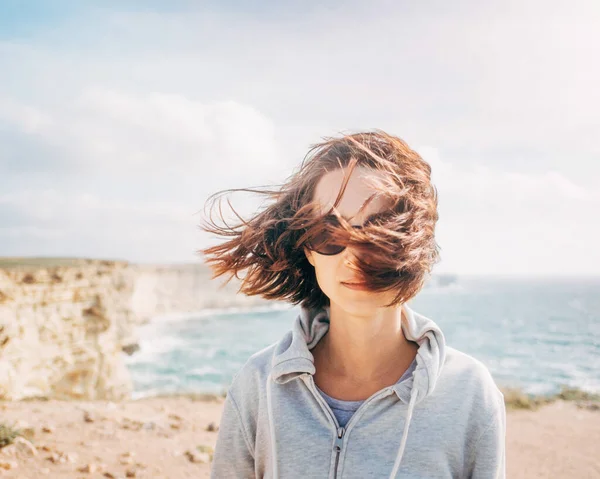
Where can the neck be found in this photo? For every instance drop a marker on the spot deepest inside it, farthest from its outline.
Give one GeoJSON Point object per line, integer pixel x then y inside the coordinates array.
{"type": "Point", "coordinates": [365, 348]}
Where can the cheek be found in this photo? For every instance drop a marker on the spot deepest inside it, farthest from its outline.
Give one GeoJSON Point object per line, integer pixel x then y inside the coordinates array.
{"type": "Point", "coordinates": [326, 271]}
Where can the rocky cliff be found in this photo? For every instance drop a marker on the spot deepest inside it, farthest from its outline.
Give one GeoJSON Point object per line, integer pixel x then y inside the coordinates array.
{"type": "Point", "coordinates": [61, 330]}
{"type": "Point", "coordinates": [65, 324]}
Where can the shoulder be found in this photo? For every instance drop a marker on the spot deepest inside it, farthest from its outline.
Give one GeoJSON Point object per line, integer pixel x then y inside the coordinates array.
{"type": "Point", "coordinates": [247, 391]}
{"type": "Point", "coordinates": [250, 379]}
{"type": "Point", "coordinates": [474, 382]}
{"type": "Point", "coordinates": [468, 393]}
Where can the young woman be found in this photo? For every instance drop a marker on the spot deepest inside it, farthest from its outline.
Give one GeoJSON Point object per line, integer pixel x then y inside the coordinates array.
{"type": "Point", "coordinates": [362, 386]}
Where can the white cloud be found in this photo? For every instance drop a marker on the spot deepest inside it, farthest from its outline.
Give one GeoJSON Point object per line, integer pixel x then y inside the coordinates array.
{"type": "Point", "coordinates": [479, 182]}
{"type": "Point", "coordinates": [474, 78]}
{"type": "Point", "coordinates": [31, 232]}
{"type": "Point", "coordinates": [106, 130]}
{"type": "Point", "coordinates": [514, 223]}
{"type": "Point", "coordinates": [59, 208]}
{"type": "Point", "coordinates": [26, 118]}
{"type": "Point", "coordinates": [84, 224]}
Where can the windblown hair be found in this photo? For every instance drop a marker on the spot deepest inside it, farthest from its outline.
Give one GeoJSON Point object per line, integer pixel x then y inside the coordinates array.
{"type": "Point", "coordinates": [395, 251]}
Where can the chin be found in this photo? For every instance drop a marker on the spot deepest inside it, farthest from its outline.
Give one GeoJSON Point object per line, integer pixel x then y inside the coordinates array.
{"type": "Point", "coordinates": [363, 303]}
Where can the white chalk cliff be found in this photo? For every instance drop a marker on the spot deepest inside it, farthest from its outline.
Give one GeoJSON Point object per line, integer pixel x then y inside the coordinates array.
{"type": "Point", "coordinates": [64, 328]}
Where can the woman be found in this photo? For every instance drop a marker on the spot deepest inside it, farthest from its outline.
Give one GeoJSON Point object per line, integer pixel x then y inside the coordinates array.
{"type": "Point", "coordinates": [362, 386]}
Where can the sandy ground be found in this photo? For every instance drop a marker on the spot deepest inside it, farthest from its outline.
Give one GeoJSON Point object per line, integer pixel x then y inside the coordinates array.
{"type": "Point", "coordinates": [159, 438]}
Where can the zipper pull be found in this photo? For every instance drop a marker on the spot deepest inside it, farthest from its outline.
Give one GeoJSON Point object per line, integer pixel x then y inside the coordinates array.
{"type": "Point", "coordinates": [340, 439]}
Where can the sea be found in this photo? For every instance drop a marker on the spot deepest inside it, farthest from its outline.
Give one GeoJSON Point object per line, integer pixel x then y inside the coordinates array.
{"type": "Point", "coordinates": [534, 334]}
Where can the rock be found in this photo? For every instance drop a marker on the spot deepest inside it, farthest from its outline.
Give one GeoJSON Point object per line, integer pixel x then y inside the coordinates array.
{"type": "Point", "coordinates": [48, 429]}
{"type": "Point", "coordinates": [87, 416]}
{"type": "Point", "coordinates": [88, 444]}
{"type": "Point", "coordinates": [212, 427]}
{"type": "Point", "coordinates": [8, 465]}
{"type": "Point", "coordinates": [197, 457]}
{"type": "Point", "coordinates": [70, 457]}
{"type": "Point", "coordinates": [129, 349]}
{"type": "Point", "coordinates": [130, 473]}
{"type": "Point", "coordinates": [54, 458]}
{"type": "Point", "coordinates": [131, 424]}
{"type": "Point", "coordinates": [206, 449]}
{"type": "Point", "coordinates": [176, 417]}
{"type": "Point", "coordinates": [150, 425]}
{"type": "Point", "coordinates": [8, 451]}
{"type": "Point", "coordinates": [62, 457]}
{"type": "Point", "coordinates": [24, 447]}
{"type": "Point", "coordinates": [127, 458]}
{"type": "Point", "coordinates": [91, 468]}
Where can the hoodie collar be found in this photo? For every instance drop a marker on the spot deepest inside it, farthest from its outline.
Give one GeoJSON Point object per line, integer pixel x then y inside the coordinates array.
{"type": "Point", "coordinates": [292, 357]}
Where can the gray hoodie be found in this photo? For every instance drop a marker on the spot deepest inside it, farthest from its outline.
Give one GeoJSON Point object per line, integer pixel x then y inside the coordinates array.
{"type": "Point", "coordinates": [446, 421]}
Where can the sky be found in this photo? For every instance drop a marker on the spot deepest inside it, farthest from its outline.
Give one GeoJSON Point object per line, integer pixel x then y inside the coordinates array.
{"type": "Point", "coordinates": [119, 119]}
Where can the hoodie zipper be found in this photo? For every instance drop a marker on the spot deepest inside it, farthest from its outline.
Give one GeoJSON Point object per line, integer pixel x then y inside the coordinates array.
{"type": "Point", "coordinates": [309, 380]}
{"type": "Point", "coordinates": [340, 431]}
{"type": "Point", "coordinates": [338, 448]}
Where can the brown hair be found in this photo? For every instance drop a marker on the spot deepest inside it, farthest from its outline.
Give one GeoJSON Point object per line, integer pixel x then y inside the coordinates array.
{"type": "Point", "coordinates": [394, 252]}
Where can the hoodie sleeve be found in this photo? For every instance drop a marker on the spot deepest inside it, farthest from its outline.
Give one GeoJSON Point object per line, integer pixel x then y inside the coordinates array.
{"type": "Point", "coordinates": [233, 456]}
{"type": "Point", "coordinates": [489, 453]}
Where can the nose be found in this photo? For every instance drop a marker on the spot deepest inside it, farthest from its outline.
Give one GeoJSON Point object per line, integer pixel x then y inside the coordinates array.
{"type": "Point", "coordinates": [348, 259]}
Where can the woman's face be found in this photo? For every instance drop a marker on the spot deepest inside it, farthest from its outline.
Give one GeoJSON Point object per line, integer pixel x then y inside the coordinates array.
{"type": "Point", "coordinates": [333, 272]}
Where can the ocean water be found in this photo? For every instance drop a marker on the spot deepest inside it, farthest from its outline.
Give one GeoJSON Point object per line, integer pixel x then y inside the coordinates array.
{"type": "Point", "coordinates": [532, 334]}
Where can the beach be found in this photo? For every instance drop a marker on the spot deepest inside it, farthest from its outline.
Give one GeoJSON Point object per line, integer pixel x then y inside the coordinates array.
{"type": "Point", "coordinates": [173, 437]}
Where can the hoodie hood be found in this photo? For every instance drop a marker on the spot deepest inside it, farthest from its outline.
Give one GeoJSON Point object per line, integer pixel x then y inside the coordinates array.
{"type": "Point", "coordinates": [292, 358]}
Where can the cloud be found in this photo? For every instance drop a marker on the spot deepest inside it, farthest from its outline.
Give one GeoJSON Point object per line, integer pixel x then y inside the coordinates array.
{"type": "Point", "coordinates": [87, 225]}
{"type": "Point", "coordinates": [30, 232]}
{"type": "Point", "coordinates": [25, 118]}
{"type": "Point", "coordinates": [52, 206]}
{"type": "Point", "coordinates": [475, 79]}
{"type": "Point", "coordinates": [515, 223]}
{"type": "Point", "coordinates": [106, 130]}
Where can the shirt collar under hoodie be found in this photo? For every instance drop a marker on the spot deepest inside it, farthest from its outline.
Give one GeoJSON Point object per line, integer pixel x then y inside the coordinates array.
{"type": "Point", "coordinates": [292, 358]}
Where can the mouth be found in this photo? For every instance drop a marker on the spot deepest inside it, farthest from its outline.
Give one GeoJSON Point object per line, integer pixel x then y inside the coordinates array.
{"type": "Point", "coordinates": [356, 286]}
